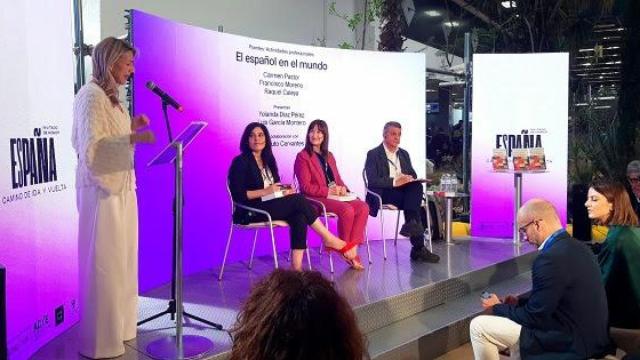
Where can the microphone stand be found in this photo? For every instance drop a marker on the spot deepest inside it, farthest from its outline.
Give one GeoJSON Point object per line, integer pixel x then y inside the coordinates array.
{"type": "Point", "coordinates": [166, 121]}
{"type": "Point", "coordinates": [172, 308]}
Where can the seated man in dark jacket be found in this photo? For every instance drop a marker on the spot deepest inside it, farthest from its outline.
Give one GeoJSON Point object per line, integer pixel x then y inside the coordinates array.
{"type": "Point", "coordinates": [565, 315]}
{"type": "Point", "coordinates": [633, 184]}
{"type": "Point", "coordinates": [390, 174]}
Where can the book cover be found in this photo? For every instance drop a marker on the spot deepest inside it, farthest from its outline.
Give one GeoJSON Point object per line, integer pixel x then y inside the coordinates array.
{"type": "Point", "coordinates": [537, 159]}
{"type": "Point", "coordinates": [347, 197]}
{"type": "Point", "coordinates": [275, 195]}
{"type": "Point", "coordinates": [499, 160]}
{"type": "Point", "coordinates": [520, 158]}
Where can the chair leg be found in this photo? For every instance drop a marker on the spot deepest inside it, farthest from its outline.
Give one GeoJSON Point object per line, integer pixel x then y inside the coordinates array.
{"type": "Point", "coordinates": [308, 258]}
{"type": "Point", "coordinates": [273, 246]}
{"type": "Point", "coordinates": [366, 237]}
{"type": "Point", "coordinates": [395, 240]}
{"type": "Point", "coordinates": [429, 234]}
{"type": "Point", "coordinates": [384, 241]}
{"type": "Point", "coordinates": [253, 249]}
{"type": "Point", "coordinates": [326, 223]}
{"type": "Point", "coordinates": [226, 251]}
{"type": "Point", "coordinates": [331, 263]}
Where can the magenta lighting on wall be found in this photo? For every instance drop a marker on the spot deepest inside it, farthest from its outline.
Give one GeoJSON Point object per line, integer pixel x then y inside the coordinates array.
{"type": "Point", "coordinates": [229, 81]}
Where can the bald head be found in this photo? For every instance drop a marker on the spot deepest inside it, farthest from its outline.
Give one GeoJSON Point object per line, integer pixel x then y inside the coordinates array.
{"type": "Point", "coordinates": [541, 216]}
{"type": "Point", "coordinates": [540, 209]}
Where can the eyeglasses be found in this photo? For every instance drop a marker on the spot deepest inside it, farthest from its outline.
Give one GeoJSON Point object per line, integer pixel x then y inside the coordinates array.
{"type": "Point", "coordinates": [633, 180]}
{"type": "Point", "coordinates": [523, 229]}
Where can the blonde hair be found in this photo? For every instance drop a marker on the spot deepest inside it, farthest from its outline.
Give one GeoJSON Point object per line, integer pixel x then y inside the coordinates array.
{"type": "Point", "coordinates": [104, 56]}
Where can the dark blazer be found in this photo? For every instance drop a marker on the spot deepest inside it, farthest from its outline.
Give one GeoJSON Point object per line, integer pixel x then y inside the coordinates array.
{"type": "Point", "coordinates": [310, 174]}
{"type": "Point", "coordinates": [632, 197]}
{"type": "Point", "coordinates": [377, 169]}
{"type": "Point", "coordinates": [244, 175]}
{"type": "Point", "coordinates": [565, 315]}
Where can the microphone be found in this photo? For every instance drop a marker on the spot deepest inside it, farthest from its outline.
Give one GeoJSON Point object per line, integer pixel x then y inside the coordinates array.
{"type": "Point", "coordinates": [164, 96]}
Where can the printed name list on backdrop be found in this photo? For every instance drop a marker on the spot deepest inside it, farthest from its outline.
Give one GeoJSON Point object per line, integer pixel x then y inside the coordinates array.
{"type": "Point", "coordinates": [520, 118]}
{"type": "Point", "coordinates": [38, 216]}
{"type": "Point", "coordinates": [284, 77]}
{"type": "Point", "coordinates": [229, 81]}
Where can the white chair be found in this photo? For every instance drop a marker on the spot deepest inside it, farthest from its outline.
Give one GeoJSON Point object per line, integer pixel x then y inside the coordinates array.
{"type": "Point", "coordinates": [391, 207]}
{"type": "Point", "coordinates": [326, 215]}
{"type": "Point", "coordinates": [428, 232]}
{"type": "Point", "coordinates": [382, 207]}
{"type": "Point", "coordinates": [256, 226]}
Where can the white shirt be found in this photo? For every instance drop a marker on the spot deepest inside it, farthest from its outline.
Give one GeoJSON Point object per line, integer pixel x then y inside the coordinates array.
{"type": "Point", "coordinates": [543, 243]}
{"type": "Point", "coordinates": [267, 177]}
{"type": "Point", "coordinates": [394, 162]}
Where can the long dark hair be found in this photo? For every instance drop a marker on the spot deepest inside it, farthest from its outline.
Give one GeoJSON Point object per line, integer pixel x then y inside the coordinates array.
{"type": "Point", "coordinates": [622, 212]}
{"type": "Point", "coordinates": [324, 129]}
{"type": "Point", "coordinates": [267, 155]}
{"type": "Point", "coordinates": [296, 315]}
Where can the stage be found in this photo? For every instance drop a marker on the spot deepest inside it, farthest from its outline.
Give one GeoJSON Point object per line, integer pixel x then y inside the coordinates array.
{"type": "Point", "coordinates": [399, 304]}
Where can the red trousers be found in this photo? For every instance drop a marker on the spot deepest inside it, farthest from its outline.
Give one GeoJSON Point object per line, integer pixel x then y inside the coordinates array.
{"type": "Point", "coordinates": [352, 218]}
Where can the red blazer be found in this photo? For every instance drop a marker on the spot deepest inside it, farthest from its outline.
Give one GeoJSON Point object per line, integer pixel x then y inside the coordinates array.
{"type": "Point", "coordinates": [310, 174]}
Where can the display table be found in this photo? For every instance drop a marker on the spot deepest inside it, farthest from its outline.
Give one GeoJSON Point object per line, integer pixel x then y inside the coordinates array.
{"type": "Point", "coordinates": [448, 198]}
{"type": "Point", "coordinates": [517, 201]}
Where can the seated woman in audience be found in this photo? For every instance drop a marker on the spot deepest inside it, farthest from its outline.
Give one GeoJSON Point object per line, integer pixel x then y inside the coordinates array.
{"type": "Point", "coordinates": [296, 315]}
{"type": "Point", "coordinates": [318, 177]}
{"type": "Point", "coordinates": [619, 256]}
{"type": "Point", "coordinates": [254, 174]}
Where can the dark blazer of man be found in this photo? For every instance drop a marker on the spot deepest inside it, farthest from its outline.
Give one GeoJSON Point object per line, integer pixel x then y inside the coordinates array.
{"type": "Point", "coordinates": [377, 170]}
{"type": "Point", "coordinates": [565, 315]}
{"type": "Point", "coordinates": [632, 197]}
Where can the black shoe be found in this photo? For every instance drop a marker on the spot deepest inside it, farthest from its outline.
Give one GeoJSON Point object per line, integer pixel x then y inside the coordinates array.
{"type": "Point", "coordinates": [411, 228]}
{"type": "Point", "coordinates": [425, 255]}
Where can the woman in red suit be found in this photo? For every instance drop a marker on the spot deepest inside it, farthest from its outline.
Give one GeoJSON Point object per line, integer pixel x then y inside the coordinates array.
{"type": "Point", "coordinates": [318, 177]}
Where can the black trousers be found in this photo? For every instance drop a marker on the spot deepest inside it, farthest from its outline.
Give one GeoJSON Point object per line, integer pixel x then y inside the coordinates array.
{"type": "Point", "coordinates": [409, 199]}
{"type": "Point", "coordinates": [296, 211]}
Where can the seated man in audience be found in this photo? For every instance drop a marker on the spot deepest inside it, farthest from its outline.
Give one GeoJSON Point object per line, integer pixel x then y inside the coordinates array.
{"type": "Point", "coordinates": [633, 178]}
{"type": "Point", "coordinates": [565, 315]}
{"type": "Point", "coordinates": [390, 175]}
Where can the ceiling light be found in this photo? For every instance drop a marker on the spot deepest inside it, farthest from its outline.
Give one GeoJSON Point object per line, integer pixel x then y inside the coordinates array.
{"type": "Point", "coordinates": [508, 4]}
{"type": "Point", "coordinates": [451, 23]}
{"type": "Point", "coordinates": [432, 13]}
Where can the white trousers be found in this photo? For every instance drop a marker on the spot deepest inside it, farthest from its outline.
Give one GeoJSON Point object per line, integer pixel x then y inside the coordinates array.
{"type": "Point", "coordinates": [108, 257]}
{"type": "Point", "coordinates": [490, 334]}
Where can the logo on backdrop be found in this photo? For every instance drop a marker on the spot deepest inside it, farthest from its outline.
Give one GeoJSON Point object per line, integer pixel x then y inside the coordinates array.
{"type": "Point", "coordinates": [526, 139]}
{"type": "Point", "coordinates": [33, 159]}
{"type": "Point", "coordinates": [32, 162]}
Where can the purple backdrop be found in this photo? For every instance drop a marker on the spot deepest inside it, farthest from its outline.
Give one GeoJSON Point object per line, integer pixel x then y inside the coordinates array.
{"type": "Point", "coordinates": [212, 75]}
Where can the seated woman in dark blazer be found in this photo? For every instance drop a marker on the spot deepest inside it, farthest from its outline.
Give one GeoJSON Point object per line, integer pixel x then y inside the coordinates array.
{"type": "Point", "coordinates": [318, 177]}
{"type": "Point", "coordinates": [254, 174]}
{"type": "Point", "coordinates": [608, 204]}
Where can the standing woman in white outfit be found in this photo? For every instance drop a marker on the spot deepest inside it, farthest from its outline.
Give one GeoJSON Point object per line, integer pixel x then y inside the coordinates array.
{"type": "Point", "coordinates": [104, 137]}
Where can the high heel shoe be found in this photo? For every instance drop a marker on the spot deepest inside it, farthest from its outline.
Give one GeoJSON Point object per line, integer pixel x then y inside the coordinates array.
{"type": "Point", "coordinates": [353, 262]}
